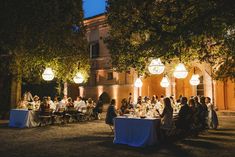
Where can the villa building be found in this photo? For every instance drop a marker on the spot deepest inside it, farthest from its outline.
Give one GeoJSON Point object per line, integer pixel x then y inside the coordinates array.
{"type": "Point", "coordinates": [109, 84]}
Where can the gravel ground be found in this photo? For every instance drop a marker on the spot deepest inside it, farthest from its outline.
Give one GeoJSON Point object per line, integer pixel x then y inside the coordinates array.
{"type": "Point", "coordinates": [94, 138]}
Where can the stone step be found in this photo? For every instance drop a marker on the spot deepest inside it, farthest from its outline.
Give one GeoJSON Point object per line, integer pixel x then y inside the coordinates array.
{"type": "Point", "coordinates": [225, 113]}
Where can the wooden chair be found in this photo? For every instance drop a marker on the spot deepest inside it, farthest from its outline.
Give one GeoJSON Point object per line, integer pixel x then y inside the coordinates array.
{"type": "Point", "coordinates": [45, 119]}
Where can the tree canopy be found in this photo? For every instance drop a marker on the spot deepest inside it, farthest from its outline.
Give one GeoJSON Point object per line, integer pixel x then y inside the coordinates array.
{"type": "Point", "coordinates": [39, 34]}
{"type": "Point", "coordinates": [172, 30]}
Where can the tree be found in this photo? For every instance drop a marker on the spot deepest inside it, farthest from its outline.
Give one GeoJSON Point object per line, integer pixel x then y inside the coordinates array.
{"type": "Point", "coordinates": [171, 29]}
{"type": "Point", "coordinates": [39, 34]}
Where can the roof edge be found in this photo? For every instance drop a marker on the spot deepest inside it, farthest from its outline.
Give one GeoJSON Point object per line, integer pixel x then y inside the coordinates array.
{"type": "Point", "coordinates": [91, 17]}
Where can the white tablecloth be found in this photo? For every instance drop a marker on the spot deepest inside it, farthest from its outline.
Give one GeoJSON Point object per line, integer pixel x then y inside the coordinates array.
{"type": "Point", "coordinates": [23, 118]}
{"type": "Point", "coordinates": [135, 131]}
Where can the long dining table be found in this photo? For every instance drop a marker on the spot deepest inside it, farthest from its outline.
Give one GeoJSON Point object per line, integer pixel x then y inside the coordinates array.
{"type": "Point", "coordinates": [23, 118]}
{"type": "Point", "coordinates": [137, 132]}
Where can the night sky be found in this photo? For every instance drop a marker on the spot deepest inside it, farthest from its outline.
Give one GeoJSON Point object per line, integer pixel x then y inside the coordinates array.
{"type": "Point", "coordinates": [93, 7]}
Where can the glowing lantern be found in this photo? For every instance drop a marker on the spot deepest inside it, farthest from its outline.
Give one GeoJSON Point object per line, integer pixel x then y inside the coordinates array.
{"type": "Point", "coordinates": [138, 83]}
{"type": "Point", "coordinates": [78, 78]}
{"type": "Point", "coordinates": [194, 80]}
{"type": "Point", "coordinates": [165, 82]}
{"type": "Point", "coordinates": [156, 66]}
{"type": "Point", "coordinates": [180, 71]}
{"type": "Point", "coordinates": [48, 74]}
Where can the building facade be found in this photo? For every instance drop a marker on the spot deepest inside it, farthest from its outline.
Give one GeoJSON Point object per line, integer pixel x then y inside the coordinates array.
{"type": "Point", "coordinates": [109, 84]}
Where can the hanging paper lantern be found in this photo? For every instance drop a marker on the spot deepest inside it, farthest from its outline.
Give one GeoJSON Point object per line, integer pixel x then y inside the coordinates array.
{"type": "Point", "coordinates": [165, 82]}
{"type": "Point", "coordinates": [138, 83]}
{"type": "Point", "coordinates": [48, 74]}
{"type": "Point", "coordinates": [156, 66]}
{"type": "Point", "coordinates": [194, 80]}
{"type": "Point", "coordinates": [78, 78]}
{"type": "Point", "coordinates": [180, 71]}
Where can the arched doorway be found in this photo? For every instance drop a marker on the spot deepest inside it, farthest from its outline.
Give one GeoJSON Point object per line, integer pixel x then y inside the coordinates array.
{"type": "Point", "coordinates": [105, 98]}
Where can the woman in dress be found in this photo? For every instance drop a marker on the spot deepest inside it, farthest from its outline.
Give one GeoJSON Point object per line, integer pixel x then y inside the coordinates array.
{"type": "Point", "coordinates": [212, 116]}
{"type": "Point", "coordinates": [166, 117]}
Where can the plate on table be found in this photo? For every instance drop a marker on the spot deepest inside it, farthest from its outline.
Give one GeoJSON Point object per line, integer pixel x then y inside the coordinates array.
{"type": "Point", "coordinates": [126, 115]}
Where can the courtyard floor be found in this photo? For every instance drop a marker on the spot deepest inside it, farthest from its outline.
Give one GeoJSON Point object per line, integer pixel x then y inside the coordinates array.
{"type": "Point", "coordinates": [94, 138]}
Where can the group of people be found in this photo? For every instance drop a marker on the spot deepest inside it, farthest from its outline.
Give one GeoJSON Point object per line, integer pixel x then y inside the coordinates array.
{"type": "Point", "coordinates": [61, 106]}
{"type": "Point", "coordinates": [192, 116]}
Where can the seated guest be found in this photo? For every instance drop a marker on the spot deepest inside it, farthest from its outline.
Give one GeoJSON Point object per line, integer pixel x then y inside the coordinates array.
{"type": "Point", "coordinates": [64, 100]}
{"type": "Point", "coordinates": [166, 117]}
{"type": "Point", "coordinates": [51, 103]}
{"type": "Point", "coordinates": [36, 103]}
{"type": "Point", "coordinates": [56, 101]}
{"type": "Point", "coordinates": [124, 108]}
{"type": "Point", "coordinates": [70, 103]}
{"type": "Point", "coordinates": [28, 96]}
{"type": "Point", "coordinates": [139, 102]}
{"type": "Point", "coordinates": [184, 116]}
{"type": "Point", "coordinates": [90, 106]}
{"type": "Point", "coordinates": [23, 103]}
{"type": "Point", "coordinates": [80, 105]}
{"type": "Point", "coordinates": [111, 113]}
{"type": "Point", "coordinates": [44, 107]}
{"type": "Point", "coordinates": [90, 103]}
{"type": "Point", "coordinates": [98, 108]}
{"type": "Point", "coordinates": [154, 100]}
{"type": "Point", "coordinates": [60, 107]}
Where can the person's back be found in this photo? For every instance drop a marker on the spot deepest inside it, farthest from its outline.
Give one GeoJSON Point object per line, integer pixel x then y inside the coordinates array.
{"type": "Point", "coordinates": [45, 107]}
{"type": "Point", "coordinates": [184, 117]}
{"type": "Point", "coordinates": [204, 114]}
{"type": "Point", "coordinates": [99, 106]}
{"type": "Point", "coordinates": [111, 113]}
{"type": "Point", "coordinates": [167, 115]}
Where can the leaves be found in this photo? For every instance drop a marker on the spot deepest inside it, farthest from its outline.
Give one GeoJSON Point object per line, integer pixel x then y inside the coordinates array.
{"type": "Point", "coordinates": [189, 30]}
{"type": "Point", "coordinates": [40, 34]}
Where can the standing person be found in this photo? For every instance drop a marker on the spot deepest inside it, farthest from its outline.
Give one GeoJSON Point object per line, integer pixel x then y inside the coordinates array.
{"type": "Point", "coordinates": [212, 116]}
{"type": "Point", "coordinates": [184, 118]}
{"type": "Point", "coordinates": [28, 96]}
{"type": "Point", "coordinates": [194, 125]}
{"type": "Point", "coordinates": [98, 108]}
{"type": "Point", "coordinates": [204, 114]}
{"type": "Point", "coordinates": [130, 102]}
{"type": "Point", "coordinates": [111, 113]}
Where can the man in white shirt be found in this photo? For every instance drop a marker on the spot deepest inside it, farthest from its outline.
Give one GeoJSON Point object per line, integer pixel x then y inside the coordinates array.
{"type": "Point", "coordinates": [80, 105]}
{"type": "Point", "coordinates": [51, 103]}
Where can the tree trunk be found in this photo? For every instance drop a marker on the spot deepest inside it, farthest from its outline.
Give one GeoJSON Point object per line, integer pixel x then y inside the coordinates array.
{"type": "Point", "coordinates": [15, 91]}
